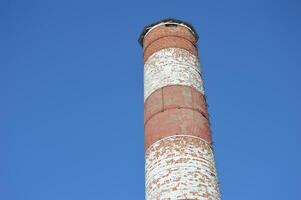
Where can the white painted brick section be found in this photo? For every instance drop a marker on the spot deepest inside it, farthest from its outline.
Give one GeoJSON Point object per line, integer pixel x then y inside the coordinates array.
{"type": "Point", "coordinates": [181, 167]}
{"type": "Point", "coordinates": [171, 66]}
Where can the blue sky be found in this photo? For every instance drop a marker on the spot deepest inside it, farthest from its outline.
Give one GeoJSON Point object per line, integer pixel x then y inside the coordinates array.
{"type": "Point", "coordinates": [71, 106]}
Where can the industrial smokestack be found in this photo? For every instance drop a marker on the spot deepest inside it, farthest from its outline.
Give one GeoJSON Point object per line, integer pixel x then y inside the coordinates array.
{"type": "Point", "coordinates": [179, 160]}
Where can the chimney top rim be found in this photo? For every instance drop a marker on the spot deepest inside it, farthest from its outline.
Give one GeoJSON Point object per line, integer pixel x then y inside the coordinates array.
{"type": "Point", "coordinates": [166, 21]}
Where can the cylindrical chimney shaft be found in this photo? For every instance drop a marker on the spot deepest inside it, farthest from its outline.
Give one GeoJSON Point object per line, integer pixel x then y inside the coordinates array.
{"type": "Point", "coordinates": [179, 157]}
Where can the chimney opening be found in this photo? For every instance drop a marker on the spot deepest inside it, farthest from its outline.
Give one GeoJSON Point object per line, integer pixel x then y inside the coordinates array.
{"type": "Point", "coordinates": [168, 25]}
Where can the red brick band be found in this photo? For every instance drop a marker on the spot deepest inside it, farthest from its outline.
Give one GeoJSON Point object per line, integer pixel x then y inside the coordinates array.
{"type": "Point", "coordinates": [169, 42]}
{"type": "Point", "coordinates": [163, 31]}
{"type": "Point", "coordinates": [176, 122]}
{"type": "Point", "coordinates": [174, 96]}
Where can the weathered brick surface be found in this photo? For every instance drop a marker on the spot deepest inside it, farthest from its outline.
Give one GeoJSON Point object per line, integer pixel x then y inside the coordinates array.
{"type": "Point", "coordinates": [174, 96]}
{"type": "Point", "coordinates": [167, 31]}
{"type": "Point", "coordinates": [171, 66]}
{"type": "Point", "coordinates": [181, 167]}
{"type": "Point", "coordinates": [169, 42]}
{"type": "Point", "coordinates": [153, 104]}
{"type": "Point", "coordinates": [179, 158]}
{"type": "Point", "coordinates": [175, 122]}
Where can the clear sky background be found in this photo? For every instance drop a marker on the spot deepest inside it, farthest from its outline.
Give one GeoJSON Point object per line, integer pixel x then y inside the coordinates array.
{"type": "Point", "coordinates": [71, 106]}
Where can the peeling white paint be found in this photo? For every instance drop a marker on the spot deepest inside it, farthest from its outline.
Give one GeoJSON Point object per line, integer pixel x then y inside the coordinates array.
{"type": "Point", "coordinates": [171, 66]}
{"type": "Point", "coordinates": [181, 167]}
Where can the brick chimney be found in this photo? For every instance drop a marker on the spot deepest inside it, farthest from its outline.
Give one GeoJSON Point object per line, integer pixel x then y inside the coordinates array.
{"type": "Point", "coordinates": [179, 160]}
